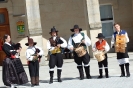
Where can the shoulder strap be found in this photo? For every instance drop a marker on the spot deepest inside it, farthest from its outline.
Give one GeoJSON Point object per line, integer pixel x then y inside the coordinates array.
{"type": "Point", "coordinates": [83, 35]}
{"type": "Point", "coordinates": [72, 35]}
{"type": "Point", "coordinates": [72, 40]}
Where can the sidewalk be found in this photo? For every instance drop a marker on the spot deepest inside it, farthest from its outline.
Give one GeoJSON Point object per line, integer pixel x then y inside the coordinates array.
{"type": "Point", "coordinates": [70, 76]}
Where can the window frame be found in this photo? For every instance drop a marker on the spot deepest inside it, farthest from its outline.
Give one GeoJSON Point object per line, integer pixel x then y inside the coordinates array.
{"type": "Point", "coordinates": [107, 21]}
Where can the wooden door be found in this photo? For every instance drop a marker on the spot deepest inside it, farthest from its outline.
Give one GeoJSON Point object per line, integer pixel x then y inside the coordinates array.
{"type": "Point", "coordinates": [4, 29]}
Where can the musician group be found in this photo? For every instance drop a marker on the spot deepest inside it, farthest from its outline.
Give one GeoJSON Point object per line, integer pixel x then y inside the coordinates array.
{"type": "Point", "coordinates": [77, 44]}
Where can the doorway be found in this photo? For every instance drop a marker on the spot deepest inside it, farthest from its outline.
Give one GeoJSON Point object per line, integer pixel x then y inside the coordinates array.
{"type": "Point", "coordinates": [4, 29]}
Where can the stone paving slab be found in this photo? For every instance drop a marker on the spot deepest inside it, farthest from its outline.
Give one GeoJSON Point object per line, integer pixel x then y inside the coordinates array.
{"type": "Point", "coordinates": [70, 76]}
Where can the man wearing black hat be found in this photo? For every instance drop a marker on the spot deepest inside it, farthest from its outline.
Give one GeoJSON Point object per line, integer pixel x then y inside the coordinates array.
{"type": "Point", "coordinates": [102, 45]}
{"type": "Point", "coordinates": [74, 40]}
{"type": "Point", "coordinates": [33, 55]}
{"type": "Point", "coordinates": [54, 46]}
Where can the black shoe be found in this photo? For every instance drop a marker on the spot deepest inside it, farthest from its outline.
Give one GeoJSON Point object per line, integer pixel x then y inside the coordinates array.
{"type": "Point", "coordinates": [51, 81]}
{"type": "Point", "coordinates": [88, 77]}
{"type": "Point", "coordinates": [122, 76]}
{"type": "Point", "coordinates": [107, 76]}
{"type": "Point", "coordinates": [99, 77]}
{"type": "Point", "coordinates": [36, 84]}
{"type": "Point", "coordinates": [81, 78]}
{"type": "Point", "coordinates": [128, 75]}
{"type": "Point", "coordinates": [32, 85]}
{"type": "Point", "coordinates": [15, 87]}
{"type": "Point", "coordinates": [59, 80]}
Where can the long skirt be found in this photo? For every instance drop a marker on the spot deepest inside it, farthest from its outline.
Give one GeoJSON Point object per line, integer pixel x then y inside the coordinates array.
{"type": "Point", "coordinates": [13, 72]}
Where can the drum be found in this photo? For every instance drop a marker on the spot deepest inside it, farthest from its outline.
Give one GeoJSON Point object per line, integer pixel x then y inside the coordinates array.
{"type": "Point", "coordinates": [80, 51]}
{"type": "Point", "coordinates": [99, 55]}
{"type": "Point", "coordinates": [120, 43]}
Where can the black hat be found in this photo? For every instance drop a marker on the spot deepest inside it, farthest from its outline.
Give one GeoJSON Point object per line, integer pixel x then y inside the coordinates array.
{"type": "Point", "coordinates": [76, 27]}
{"type": "Point", "coordinates": [100, 35]}
{"type": "Point", "coordinates": [53, 30]}
{"type": "Point", "coordinates": [30, 41]}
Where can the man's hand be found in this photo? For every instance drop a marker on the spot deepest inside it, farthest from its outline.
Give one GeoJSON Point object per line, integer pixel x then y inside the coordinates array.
{"type": "Point", "coordinates": [18, 51]}
{"type": "Point", "coordinates": [83, 41]}
{"type": "Point", "coordinates": [34, 57]}
{"type": "Point", "coordinates": [59, 45]}
{"type": "Point", "coordinates": [71, 49]}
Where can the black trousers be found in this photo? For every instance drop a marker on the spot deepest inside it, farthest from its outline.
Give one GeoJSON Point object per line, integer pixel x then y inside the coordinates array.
{"type": "Point", "coordinates": [56, 60]}
{"type": "Point", "coordinates": [103, 63]}
{"type": "Point", "coordinates": [34, 68]}
{"type": "Point", "coordinates": [84, 59]}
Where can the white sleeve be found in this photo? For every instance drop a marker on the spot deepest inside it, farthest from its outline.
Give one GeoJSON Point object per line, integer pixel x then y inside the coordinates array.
{"type": "Point", "coordinates": [64, 45]}
{"type": "Point", "coordinates": [70, 43]}
{"type": "Point", "coordinates": [28, 56]}
{"type": "Point", "coordinates": [87, 40]}
{"type": "Point", "coordinates": [127, 39]}
{"type": "Point", "coordinates": [112, 41]}
{"type": "Point", "coordinates": [107, 48]}
{"type": "Point", "coordinates": [94, 47]}
{"type": "Point", "coordinates": [49, 47]}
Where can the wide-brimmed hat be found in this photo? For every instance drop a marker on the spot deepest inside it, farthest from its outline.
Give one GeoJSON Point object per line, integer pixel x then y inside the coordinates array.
{"type": "Point", "coordinates": [100, 35]}
{"type": "Point", "coordinates": [76, 27]}
{"type": "Point", "coordinates": [53, 30]}
{"type": "Point", "coordinates": [30, 41]}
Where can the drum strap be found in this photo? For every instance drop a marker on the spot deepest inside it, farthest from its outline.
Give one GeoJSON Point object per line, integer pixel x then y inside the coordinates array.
{"type": "Point", "coordinates": [82, 39]}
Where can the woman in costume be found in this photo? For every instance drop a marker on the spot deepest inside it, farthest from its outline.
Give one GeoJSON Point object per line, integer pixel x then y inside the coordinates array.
{"type": "Point", "coordinates": [13, 71]}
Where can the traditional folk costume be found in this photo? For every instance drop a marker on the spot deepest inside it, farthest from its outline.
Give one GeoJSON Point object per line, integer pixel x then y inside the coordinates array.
{"type": "Point", "coordinates": [122, 57]}
{"type": "Point", "coordinates": [55, 54]}
{"type": "Point", "coordinates": [73, 42]}
{"type": "Point", "coordinates": [13, 71]}
{"type": "Point", "coordinates": [33, 63]}
{"type": "Point", "coordinates": [103, 46]}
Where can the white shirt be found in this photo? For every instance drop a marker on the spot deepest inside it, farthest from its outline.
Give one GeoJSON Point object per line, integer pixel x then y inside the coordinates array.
{"type": "Point", "coordinates": [107, 48]}
{"type": "Point", "coordinates": [79, 38]}
{"type": "Point", "coordinates": [63, 45]}
{"type": "Point", "coordinates": [30, 51]}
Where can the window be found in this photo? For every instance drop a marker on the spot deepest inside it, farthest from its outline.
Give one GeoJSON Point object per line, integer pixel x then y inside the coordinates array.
{"type": "Point", "coordinates": [107, 20]}
{"type": "Point", "coordinates": [2, 18]}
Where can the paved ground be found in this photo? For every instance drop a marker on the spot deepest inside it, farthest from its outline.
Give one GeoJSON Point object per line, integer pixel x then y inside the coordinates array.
{"type": "Point", "coordinates": [70, 76]}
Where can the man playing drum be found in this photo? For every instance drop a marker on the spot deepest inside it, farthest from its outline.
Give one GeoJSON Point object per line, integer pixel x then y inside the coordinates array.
{"type": "Point", "coordinates": [121, 49]}
{"type": "Point", "coordinates": [102, 45]}
{"type": "Point", "coordinates": [54, 45]}
{"type": "Point", "coordinates": [74, 40]}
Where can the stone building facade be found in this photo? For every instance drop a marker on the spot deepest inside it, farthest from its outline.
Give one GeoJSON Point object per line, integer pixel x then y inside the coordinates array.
{"type": "Point", "coordinates": [39, 16]}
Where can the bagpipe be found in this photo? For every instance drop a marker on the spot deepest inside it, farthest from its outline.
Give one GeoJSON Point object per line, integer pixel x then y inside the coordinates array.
{"type": "Point", "coordinates": [57, 49]}
{"type": "Point", "coordinates": [35, 54]}
{"type": "Point", "coordinates": [16, 46]}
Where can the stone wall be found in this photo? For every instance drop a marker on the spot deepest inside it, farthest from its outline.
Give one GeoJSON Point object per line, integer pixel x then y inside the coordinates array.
{"type": "Point", "coordinates": [123, 14]}
{"type": "Point", "coordinates": [63, 14]}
